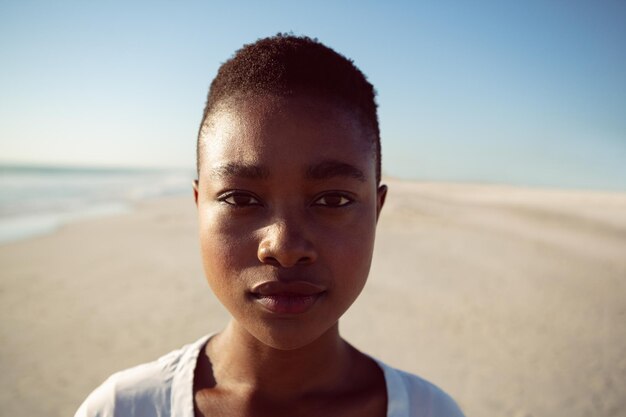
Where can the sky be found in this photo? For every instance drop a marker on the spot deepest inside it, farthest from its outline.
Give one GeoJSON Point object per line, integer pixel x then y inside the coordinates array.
{"type": "Point", "coordinates": [527, 93]}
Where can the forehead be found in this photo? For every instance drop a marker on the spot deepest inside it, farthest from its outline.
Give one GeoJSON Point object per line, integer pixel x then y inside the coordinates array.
{"type": "Point", "coordinates": [273, 130]}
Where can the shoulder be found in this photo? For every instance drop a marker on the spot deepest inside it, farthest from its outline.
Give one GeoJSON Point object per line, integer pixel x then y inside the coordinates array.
{"type": "Point", "coordinates": [143, 390]}
{"type": "Point", "coordinates": [410, 395]}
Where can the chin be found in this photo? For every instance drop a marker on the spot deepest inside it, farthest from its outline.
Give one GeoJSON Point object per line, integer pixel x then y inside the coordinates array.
{"type": "Point", "coordinates": [291, 336]}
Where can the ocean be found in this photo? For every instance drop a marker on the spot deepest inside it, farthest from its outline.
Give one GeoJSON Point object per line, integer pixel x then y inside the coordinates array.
{"type": "Point", "coordinates": [35, 200]}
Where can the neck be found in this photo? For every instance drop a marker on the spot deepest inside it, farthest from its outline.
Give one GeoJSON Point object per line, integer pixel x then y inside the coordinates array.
{"type": "Point", "coordinates": [242, 362]}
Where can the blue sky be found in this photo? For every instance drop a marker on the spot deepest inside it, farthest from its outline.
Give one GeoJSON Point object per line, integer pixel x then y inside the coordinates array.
{"type": "Point", "coordinates": [529, 93]}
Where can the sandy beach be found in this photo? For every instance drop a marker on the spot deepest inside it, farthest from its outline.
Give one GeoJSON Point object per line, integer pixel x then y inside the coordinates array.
{"type": "Point", "coordinates": [509, 298]}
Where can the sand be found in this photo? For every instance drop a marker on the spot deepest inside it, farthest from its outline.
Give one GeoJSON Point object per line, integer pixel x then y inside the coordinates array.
{"type": "Point", "coordinates": [513, 300]}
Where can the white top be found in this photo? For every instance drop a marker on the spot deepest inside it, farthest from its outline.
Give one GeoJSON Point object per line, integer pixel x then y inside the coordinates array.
{"type": "Point", "coordinates": [164, 388]}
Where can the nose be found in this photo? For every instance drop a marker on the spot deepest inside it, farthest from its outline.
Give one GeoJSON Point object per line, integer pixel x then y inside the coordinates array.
{"type": "Point", "coordinates": [286, 246]}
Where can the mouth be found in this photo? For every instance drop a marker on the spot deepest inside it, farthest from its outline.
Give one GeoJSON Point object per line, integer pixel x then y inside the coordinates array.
{"type": "Point", "coordinates": [288, 298]}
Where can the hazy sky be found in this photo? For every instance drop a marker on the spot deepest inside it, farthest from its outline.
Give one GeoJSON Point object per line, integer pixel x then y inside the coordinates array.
{"type": "Point", "coordinates": [530, 92]}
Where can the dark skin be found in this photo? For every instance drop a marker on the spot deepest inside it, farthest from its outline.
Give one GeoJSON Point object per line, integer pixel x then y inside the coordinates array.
{"type": "Point", "coordinates": [287, 205]}
{"type": "Point", "coordinates": [288, 384]}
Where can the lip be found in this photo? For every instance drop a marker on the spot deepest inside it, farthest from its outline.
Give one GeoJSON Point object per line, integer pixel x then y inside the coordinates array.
{"type": "Point", "coordinates": [294, 297]}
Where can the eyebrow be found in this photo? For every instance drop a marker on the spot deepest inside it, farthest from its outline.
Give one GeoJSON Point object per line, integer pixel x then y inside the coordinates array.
{"type": "Point", "coordinates": [240, 170]}
{"type": "Point", "coordinates": [331, 168]}
{"type": "Point", "coordinates": [321, 171]}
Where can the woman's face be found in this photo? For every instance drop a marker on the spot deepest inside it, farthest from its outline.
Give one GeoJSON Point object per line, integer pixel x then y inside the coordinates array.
{"type": "Point", "coordinates": [287, 204]}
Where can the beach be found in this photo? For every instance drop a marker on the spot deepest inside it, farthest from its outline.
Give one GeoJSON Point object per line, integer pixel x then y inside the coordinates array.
{"type": "Point", "coordinates": [511, 299]}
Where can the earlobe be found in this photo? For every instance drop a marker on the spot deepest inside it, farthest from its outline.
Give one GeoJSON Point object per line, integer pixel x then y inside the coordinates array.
{"type": "Point", "coordinates": [195, 191]}
{"type": "Point", "coordinates": [381, 195]}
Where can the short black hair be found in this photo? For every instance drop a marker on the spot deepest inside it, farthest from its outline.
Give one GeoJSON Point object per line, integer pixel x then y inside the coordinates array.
{"type": "Point", "coordinates": [288, 65]}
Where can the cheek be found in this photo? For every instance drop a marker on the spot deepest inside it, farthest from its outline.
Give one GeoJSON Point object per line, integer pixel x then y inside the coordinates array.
{"type": "Point", "coordinates": [226, 254]}
{"type": "Point", "coordinates": [226, 245]}
{"type": "Point", "coordinates": [351, 253]}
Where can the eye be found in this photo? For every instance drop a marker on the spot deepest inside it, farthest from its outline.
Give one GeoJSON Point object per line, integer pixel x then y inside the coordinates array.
{"type": "Point", "coordinates": [333, 200]}
{"type": "Point", "coordinates": [239, 199]}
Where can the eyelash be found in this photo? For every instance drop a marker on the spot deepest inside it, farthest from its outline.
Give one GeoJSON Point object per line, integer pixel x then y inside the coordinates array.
{"type": "Point", "coordinates": [344, 199]}
{"type": "Point", "coordinates": [234, 194]}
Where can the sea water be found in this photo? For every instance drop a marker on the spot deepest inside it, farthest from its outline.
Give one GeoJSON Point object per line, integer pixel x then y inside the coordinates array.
{"type": "Point", "coordinates": [35, 200]}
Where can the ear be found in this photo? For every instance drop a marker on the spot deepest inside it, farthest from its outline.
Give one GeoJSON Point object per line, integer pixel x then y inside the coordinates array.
{"type": "Point", "coordinates": [195, 191]}
{"type": "Point", "coordinates": [381, 195]}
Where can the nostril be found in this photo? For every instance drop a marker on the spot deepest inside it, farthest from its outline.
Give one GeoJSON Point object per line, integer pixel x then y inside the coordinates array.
{"type": "Point", "coordinates": [271, 261]}
{"type": "Point", "coordinates": [304, 260]}
{"type": "Point", "coordinates": [285, 261]}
